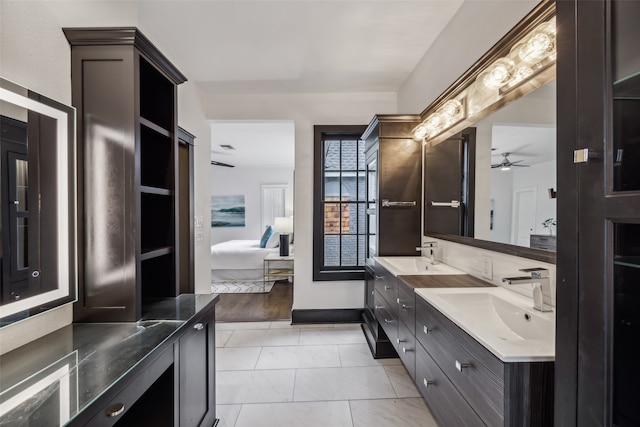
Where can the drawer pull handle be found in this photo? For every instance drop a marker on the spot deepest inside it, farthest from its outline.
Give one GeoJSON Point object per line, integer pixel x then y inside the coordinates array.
{"type": "Point", "coordinates": [405, 306]}
{"type": "Point", "coordinates": [398, 341]}
{"type": "Point", "coordinates": [115, 409]}
{"type": "Point", "coordinates": [428, 383]}
{"type": "Point", "coordinates": [378, 307]}
{"type": "Point", "coordinates": [373, 292]}
{"type": "Point", "coordinates": [379, 277]}
{"type": "Point", "coordinates": [387, 288]}
{"type": "Point", "coordinates": [427, 330]}
{"type": "Point", "coordinates": [404, 350]}
{"type": "Point", "coordinates": [198, 326]}
{"type": "Point", "coordinates": [461, 366]}
{"type": "Point", "coordinates": [387, 321]}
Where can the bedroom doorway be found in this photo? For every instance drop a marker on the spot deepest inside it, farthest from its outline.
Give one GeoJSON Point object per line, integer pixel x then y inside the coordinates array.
{"type": "Point", "coordinates": [253, 159]}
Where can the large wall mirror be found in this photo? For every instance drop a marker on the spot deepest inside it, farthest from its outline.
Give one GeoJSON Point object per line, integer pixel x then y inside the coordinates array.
{"type": "Point", "coordinates": [37, 182]}
{"type": "Point", "coordinates": [506, 102]}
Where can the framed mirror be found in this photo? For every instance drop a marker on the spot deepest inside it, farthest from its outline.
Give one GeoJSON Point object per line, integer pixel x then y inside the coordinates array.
{"type": "Point", "coordinates": [507, 99]}
{"type": "Point", "coordinates": [38, 189]}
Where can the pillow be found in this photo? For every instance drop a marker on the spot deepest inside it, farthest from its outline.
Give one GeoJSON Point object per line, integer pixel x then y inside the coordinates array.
{"type": "Point", "coordinates": [268, 231]}
{"type": "Point", "coordinates": [273, 241]}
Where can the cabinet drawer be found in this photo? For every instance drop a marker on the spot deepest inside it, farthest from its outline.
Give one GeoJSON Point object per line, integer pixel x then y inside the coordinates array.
{"type": "Point", "coordinates": [407, 349]}
{"type": "Point", "coordinates": [386, 314]}
{"type": "Point", "coordinates": [386, 283]}
{"type": "Point", "coordinates": [407, 305]}
{"type": "Point", "coordinates": [447, 405]}
{"type": "Point", "coordinates": [474, 371]}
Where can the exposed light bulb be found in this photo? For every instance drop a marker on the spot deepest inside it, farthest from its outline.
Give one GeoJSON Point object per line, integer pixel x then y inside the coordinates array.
{"type": "Point", "coordinates": [496, 75]}
{"type": "Point", "coordinates": [540, 44]}
{"type": "Point", "coordinates": [505, 168]}
{"type": "Point", "coordinates": [419, 133]}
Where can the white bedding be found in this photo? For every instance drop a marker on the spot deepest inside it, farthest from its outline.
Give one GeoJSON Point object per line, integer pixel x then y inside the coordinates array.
{"type": "Point", "coordinates": [239, 255]}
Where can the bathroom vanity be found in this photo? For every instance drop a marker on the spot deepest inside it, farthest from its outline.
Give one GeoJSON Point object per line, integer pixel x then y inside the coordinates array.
{"type": "Point", "coordinates": [478, 353]}
{"type": "Point", "coordinates": [157, 371]}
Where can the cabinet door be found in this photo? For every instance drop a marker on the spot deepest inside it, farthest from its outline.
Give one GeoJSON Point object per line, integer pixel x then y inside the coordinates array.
{"type": "Point", "coordinates": [197, 375]}
{"type": "Point", "coordinates": [598, 255]}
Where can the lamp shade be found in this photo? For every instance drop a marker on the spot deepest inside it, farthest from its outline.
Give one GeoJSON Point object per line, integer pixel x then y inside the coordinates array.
{"type": "Point", "coordinates": [282, 224]}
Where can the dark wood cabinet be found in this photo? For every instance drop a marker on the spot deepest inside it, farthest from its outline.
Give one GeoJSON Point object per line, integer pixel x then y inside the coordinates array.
{"type": "Point", "coordinates": [125, 91]}
{"type": "Point", "coordinates": [394, 173]}
{"type": "Point", "coordinates": [196, 374]}
{"type": "Point", "coordinates": [598, 205]}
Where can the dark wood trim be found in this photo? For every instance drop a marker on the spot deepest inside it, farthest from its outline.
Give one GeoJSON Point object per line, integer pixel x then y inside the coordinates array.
{"type": "Point", "coordinates": [528, 394]}
{"type": "Point", "coordinates": [334, 315]}
{"type": "Point", "coordinates": [519, 251]}
{"type": "Point", "coordinates": [470, 134]}
{"type": "Point", "coordinates": [411, 120]}
{"type": "Point", "coordinates": [566, 361]}
{"type": "Point", "coordinates": [319, 273]}
{"type": "Point", "coordinates": [94, 36]}
{"type": "Point", "coordinates": [188, 140]}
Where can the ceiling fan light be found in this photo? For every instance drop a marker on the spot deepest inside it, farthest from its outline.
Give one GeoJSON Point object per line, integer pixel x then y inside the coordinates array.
{"type": "Point", "coordinates": [505, 167]}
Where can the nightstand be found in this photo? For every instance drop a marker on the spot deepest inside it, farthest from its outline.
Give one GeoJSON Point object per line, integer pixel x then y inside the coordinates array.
{"type": "Point", "coordinates": [277, 267]}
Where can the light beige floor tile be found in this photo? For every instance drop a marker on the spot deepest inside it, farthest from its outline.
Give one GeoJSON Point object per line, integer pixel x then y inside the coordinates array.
{"type": "Point", "coordinates": [222, 337]}
{"type": "Point", "coordinates": [306, 414]}
{"type": "Point", "coordinates": [254, 386]}
{"type": "Point", "coordinates": [342, 384]}
{"type": "Point", "coordinates": [229, 326]}
{"type": "Point", "coordinates": [237, 358]}
{"type": "Point", "coordinates": [311, 356]}
{"type": "Point", "coordinates": [360, 355]}
{"type": "Point", "coordinates": [331, 336]}
{"type": "Point", "coordinates": [227, 414]}
{"type": "Point", "coordinates": [401, 381]}
{"type": "Point", "coordinates": [264, 338]}
{"type": "Point", "coordinates": [411, 412]}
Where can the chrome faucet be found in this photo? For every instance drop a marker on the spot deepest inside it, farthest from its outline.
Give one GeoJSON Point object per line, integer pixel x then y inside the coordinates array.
{"type": "Point", "coordinates": [431, 246]}
{"type": "Point", "coordinates": [541, 286]}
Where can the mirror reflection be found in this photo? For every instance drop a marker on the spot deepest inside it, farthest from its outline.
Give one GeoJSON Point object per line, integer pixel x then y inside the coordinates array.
{"type": "Point", "coordinates": [515, 197]}
{"type": "Point", "coordinates": [37, 187]}
{"type": "Point", "coordinates": [508, 195]}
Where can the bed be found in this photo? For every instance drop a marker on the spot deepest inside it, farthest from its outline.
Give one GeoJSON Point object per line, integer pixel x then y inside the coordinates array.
{"type": "Point", "coordinates": [238, 260]}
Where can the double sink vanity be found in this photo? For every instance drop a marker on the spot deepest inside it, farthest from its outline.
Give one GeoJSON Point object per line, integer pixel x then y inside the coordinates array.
{"type": "Point", "coordinates": [479, 354]}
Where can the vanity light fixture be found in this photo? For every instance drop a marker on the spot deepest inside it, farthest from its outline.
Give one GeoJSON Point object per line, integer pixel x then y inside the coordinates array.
{"type": "Point", "coordinates": [522, 56]}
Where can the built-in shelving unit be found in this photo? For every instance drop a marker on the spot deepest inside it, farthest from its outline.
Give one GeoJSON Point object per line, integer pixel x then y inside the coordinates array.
{"type": "Point", "coordinates": [126, 92]}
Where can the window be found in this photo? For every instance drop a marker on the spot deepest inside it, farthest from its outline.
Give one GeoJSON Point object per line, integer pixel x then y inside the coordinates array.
{"type": "Point", "coordinates": [339, 214]}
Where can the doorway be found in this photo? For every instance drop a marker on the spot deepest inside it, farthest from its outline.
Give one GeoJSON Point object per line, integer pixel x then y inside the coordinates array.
{"type": "Point", "coordinates": [253, 159]}
{"type": "Point", "coordinates": [523, 216]}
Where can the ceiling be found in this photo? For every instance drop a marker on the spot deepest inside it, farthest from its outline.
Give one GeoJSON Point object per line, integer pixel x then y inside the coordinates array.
{"type": "Point", "coordinates": [292, 46]}
{"type": "Point", "coordinates": [255, 143]}
{"type": "Point", "coordinates": [296, 46]}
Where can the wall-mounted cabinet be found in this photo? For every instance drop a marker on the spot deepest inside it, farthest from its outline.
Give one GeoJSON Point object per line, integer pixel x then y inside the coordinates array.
{"type": "Point", "coordinates": [125, 91]}
{"type": "Point", "coordinates": [394, 174]}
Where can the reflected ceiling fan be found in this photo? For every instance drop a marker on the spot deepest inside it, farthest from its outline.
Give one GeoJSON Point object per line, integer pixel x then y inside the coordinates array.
{"type": "Point", "coordinates": [506, 164]}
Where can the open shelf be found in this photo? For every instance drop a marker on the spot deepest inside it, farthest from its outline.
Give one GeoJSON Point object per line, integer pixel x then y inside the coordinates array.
{"type": "Point", "coordinates": [156, 158]}
{"type": "Point", "coordinates": [156, 221]}
{"type": "Point", "coordinates": [156, 96]}
{"type": "Point", "coordinates": [149, 253]}
{"type": "Point", "coordinates": [155, 190]}
{"type": "Point", "coordinates": [158, 276]}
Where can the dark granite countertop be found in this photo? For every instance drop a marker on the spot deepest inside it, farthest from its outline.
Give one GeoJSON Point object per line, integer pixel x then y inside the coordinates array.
{"type": "Point", "coordinates": [444, 281]}
{"type": "Point", "coordinates": [82, 360]}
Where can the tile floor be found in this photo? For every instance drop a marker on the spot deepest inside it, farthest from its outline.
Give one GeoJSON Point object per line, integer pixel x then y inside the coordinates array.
{"type": "Point", "coordinates": [273, 374]}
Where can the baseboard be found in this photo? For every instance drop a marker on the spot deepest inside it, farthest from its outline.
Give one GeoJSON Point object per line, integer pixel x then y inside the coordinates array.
{"type": "Point", "coordinates": [344, 315]}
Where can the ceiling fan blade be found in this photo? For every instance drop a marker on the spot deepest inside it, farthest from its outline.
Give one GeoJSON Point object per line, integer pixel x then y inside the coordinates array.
{"type": "Point", "coordinates": [520, 166]}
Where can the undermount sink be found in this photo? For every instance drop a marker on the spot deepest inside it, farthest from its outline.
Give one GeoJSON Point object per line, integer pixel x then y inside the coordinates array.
{"type": "Point", "coordinates": [501, 320]}
{"type": "Point", "coordinates": [415, 265]}
{"type": "Point", "coordinates": [507, 321]}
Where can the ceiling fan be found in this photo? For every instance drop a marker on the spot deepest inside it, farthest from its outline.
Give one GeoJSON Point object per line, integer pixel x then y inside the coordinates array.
{"type": "Point", "coordinates": [506, 164]}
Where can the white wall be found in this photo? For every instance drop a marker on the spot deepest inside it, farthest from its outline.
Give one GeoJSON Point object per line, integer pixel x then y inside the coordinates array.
{"type": "Point", "coordinates": [474, 29]}
{"type": "Point", "coordinates": [247, 182]}
{"type": "Point", "coordinates": [307, 110]}
{"type": "Point", "coordinates": [191, 117]}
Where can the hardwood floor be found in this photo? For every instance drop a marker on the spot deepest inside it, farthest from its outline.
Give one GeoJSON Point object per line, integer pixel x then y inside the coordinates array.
{"type": "Point", "coordinates": [275, 305]}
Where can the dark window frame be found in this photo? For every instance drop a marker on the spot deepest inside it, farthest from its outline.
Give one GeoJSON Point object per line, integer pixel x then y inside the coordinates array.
{"type": "Point", "coordinates": [320, 271]}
